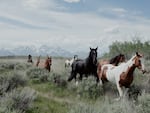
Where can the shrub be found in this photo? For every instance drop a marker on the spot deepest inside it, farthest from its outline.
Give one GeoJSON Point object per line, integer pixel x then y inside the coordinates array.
{"type": "Point", "coordinates": [38, 74]}
{"type": "Point", "coordinates": [144, 104]}
{"type": "Point", "coordinates": [57, 79]}
{"type": "Point", "coordinates": [134, 91]}
{"type": "Point", "coordinates": [17, 100]}
{"type": "Point", "coordinates": [11, 81]}
{"type": "Point", "coordinates": [6, 66]}
{"type": "Point", "coordinates": [88, 88]}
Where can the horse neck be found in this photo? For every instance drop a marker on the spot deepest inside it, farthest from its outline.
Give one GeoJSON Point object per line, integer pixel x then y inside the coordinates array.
{"type": "Point", "coordinates": [47, 62]}
{"type": "Point", "coordinates": [130, 71]}
{"type": "Point", "coordinates": [72, 60]}
{"type": "Point", "coordinates": [114, 61]}
{"type": "Point", "coordinates": [130, 68]}
{"type": "Point", "coordinates": [89, 61]}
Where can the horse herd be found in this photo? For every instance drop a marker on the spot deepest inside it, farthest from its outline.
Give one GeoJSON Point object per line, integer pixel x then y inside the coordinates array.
{"type": "Point", "coordinates": [116, 70]}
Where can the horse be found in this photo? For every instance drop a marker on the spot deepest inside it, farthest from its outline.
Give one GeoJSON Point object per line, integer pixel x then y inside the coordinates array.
{"type": "Point", "coordinates": [114, 61]}
{"type": "Point", "coordinates": [47, 64]}
{"type": "Point", "coordinates": [30, 59]}
{"type": "Point", "coordinates": [38, 61]}
{"type": "Point", "coordinates": [122, 75]}
{"type": "Point", "coordinates": [85, 67]}
{"type": "Point", "coordinates": [68, 63]}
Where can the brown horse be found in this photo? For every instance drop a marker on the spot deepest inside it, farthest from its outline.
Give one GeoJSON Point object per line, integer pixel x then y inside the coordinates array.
{"type": "Point", "coordinates": [114, 61]}
{"type": "Point", "coordinates": [47, 64]}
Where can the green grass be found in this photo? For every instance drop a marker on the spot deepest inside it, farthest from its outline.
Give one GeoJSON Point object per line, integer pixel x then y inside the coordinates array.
{"type": "Point", "coordinates": [48, 105]}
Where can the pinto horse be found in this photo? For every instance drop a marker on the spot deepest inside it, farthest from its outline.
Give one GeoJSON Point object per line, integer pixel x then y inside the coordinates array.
{"type": "Point", "coordinates": [114, 61]}
{"type": "Point", "coordinates": [85, 67]}
{"type": "Point", "coordinates": [68, 63]}
{"type": "Point", "coordinates": [47, 64]}
{"type": "Point", "coordinates": [122, 75]}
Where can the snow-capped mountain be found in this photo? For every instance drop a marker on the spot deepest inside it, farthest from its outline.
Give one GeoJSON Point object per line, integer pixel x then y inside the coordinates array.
{"type": "Point", "coordinates": [42, 50]}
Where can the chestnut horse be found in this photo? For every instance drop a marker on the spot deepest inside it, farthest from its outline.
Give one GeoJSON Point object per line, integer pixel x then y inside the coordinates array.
{"type": "Point", "coordinates": [122, 75]}
{"type": "Point", "coordinates": [47, 64]}
{"type": "Point", "coordinates": [114, 61]}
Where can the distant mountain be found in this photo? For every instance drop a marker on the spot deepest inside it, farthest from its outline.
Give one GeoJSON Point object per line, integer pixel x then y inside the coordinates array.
{"type": "Point", "coordinates": [54, 51]}
{"type": "Point", "coordinates": [42, 50]}
{"type": "Point", "coordinates": [5, 52]}
{"type": "Point", "coordinates": [24, 50]}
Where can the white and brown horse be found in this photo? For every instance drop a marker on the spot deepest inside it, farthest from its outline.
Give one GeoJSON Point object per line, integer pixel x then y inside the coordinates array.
{"type": "Point", "coordinates": [122, 75]}
{"type": "Point", "coordinates": [69, 62]}
{"type": "Point", "coordinates": [114, 61]}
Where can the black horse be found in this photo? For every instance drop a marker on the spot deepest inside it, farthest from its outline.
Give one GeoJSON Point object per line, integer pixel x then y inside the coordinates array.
{"type": "Point", "coordinates": [85, 67]}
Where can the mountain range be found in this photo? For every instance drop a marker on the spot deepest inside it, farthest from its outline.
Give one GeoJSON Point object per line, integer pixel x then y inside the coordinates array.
{"type": "Point", "coordinates": [42, 50]}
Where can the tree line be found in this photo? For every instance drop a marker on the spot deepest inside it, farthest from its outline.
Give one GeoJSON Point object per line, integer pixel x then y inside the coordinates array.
{"type": "Point", "coordinates": [128, 48]}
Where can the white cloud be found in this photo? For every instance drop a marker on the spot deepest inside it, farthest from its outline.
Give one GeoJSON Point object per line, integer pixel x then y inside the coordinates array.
{"type": "Point", "coordinates": [68, 30]}
{"type": "Point", "coordinates": [72, 1]}
{"type": "Point", "coordinates": [114, 11]}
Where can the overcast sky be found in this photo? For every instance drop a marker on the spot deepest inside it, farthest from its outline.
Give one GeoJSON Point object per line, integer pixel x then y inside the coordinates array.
{"type": "Point", "coordinates": [73, 24]}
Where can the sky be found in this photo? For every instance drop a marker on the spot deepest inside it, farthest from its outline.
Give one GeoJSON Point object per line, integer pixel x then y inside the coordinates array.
{"type": "Point", "coordinates": [73, 24]}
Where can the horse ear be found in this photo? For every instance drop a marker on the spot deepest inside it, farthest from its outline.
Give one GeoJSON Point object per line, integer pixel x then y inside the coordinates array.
{"type": "Point", "coordinates": [139, 55]}
{"type": "Point", "coordinates": [90, 48]}
{"type": "Point", "coordinates": [96, 48]}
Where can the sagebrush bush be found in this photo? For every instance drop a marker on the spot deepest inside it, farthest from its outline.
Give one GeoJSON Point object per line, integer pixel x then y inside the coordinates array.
{"type": "Point", "coordinates": [143, 103]}
{"type": "Point", "coordinates": [104, 105]}
{"type": "Point", "coordinates": [88, 88]}
{"type": "Point", "coordinates": [38, 74]}
{"type": "Point", "coordinates": [22, 66]}
{"type": "Point", "coordinates": [11, 81]}
{"type": "Point", "coordinates": [57, 79]}
{"type": "Point", "coordinates": [17, 100]}
{"type": "Point", "coordinates": [6, 66]}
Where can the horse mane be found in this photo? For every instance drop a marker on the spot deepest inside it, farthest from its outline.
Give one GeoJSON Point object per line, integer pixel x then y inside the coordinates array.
{"type": "Point", "coordinates": [115, 60]}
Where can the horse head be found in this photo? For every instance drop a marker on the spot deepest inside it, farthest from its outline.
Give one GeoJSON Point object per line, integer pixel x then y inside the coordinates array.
{"type": "Point", "coordinates": [75, 57]}
{"type": "Point", "coordinates": [48, 63]}
{"type": "Point", "coordinates": [121, 58]}
{"type": "Point", "coordinates": [93, 55]}
{"type": "Point", "coordinates": [138, 62]}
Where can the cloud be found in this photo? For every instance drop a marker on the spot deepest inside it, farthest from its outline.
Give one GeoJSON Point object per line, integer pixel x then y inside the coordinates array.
{"type": "Point", "coordinates": [38, 22]}
{"type": "Point", "coordinates": [72, 1]}
{"type": "Point", "coordinates": [113, 11]}
{"type": "Point", "coordinates": [112, 29]}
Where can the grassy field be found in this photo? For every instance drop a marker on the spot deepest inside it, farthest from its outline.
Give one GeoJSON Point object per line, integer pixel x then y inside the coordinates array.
{"type": "Point", "coordinates": [28, 89]}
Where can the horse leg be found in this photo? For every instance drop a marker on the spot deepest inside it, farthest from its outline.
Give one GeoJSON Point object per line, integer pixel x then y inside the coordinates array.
{"type": "Point", "coordinates": [73, 75]}
{"type": "Point", "coordinates": [81, 76]}
{"type": "Point", "coordinates": [120, 91]}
